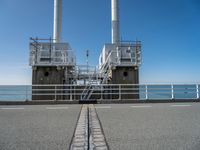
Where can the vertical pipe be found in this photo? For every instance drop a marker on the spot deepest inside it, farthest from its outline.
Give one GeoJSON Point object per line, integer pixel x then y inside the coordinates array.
{"type": "Point", "coordinates": [57, 21]}
{"type": "Point", "coordinates": [115, 22]}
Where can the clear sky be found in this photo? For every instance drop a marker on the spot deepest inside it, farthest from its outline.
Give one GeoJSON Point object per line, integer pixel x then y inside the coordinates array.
{"type": "Point", "coordinates": [169, 31]}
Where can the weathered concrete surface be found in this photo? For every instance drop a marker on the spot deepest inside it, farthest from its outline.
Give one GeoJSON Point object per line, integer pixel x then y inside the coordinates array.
{"type": "Point", "coordinates": [42, 102]}
{"type": "Point", "coordinates": [151, 126]}
{"type": "Point", "coordinates": [37, 127]}
{"type": "Point", "coordinates": [125, 75]}
{"type": "Point", "coordinates": [46, 76]}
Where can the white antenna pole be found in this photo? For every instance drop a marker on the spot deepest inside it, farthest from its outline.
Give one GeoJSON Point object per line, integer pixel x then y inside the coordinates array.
{"type": "Point", "coordinates": [87, 61]}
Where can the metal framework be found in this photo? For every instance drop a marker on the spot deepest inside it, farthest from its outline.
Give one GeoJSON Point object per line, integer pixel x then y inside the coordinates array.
{"type": "Point", "coordinates": [126, 53]}
{"type": "Point", "coordinates": [44, 52]}
{"type": "Point", "coordinates": [122, 54]}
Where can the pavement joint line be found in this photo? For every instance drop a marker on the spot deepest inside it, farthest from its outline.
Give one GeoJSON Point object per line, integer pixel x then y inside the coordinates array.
{"type": "Point", "coordinates": [97, 138]}
{"type": "Point", "coordinates": [141, 106]}
{"type": "Point", "coordinates": [88, 133]}
{"type": "Point", "coordinates": [181, 105]}
{"type": "Point", "coordinates": [52, 108]}
{"type": "Point", "coordinates": [80, 137]}
{"type": "Point", "coordinates": [12, 108]}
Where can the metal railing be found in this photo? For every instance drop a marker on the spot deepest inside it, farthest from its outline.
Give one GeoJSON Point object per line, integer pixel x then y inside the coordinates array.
{"type": "Point", "coordinates": [126, 53]}
{"type": "Point", "coordinates": [49, 53]}
{"type": "Point", "coordinates": [59, 57]}
{"type": "Point", "coordinates": [100, 92]}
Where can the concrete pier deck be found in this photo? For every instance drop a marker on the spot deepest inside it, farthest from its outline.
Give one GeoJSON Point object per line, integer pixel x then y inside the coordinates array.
{"type": "Point", "coordinates": [152, 126]}
{"type": "Point", "coordinates": [37, 127]}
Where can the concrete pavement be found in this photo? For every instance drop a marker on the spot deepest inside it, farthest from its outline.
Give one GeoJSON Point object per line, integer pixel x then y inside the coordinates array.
{"type": "Point", "coordinates": [37, 127]}
{"type": "Point", "coordinates": [166, 126]}
{"type": "Point", "coordinates": [151, 126]}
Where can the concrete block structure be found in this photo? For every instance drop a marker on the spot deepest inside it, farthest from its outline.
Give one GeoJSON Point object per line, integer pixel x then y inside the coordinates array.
{"type": "Point", "coordinates": [52, 64]}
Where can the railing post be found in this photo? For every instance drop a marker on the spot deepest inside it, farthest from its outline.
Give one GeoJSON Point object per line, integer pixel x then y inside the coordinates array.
{"type": "Point", "coordinates": [120, 92]}
{"type": "Point", "coordinates": [101, 92]}
{"type": "Point", "coordinates": [55, 92]}
{"type": "Point", "coordinates": [74, 92]}
{"type": "Point", "coordinates": [26, 93]}
{"type": "Point", "coordinates": [146, 92]}
{"type": "Point", "coordinates": [197, 88]}
{"type": "Point", "coordinates": [70, 87]}
{"type": "Point", "coordinates": [172, 91]}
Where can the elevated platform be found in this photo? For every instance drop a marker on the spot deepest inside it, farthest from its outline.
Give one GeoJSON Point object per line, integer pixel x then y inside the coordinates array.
{"type": "Point", "coordinates": [43, 52]}
{"type": "Point", "coordinates": [119, 62]}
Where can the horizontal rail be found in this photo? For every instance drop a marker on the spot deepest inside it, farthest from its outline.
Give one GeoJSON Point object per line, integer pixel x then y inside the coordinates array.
{"type": "Point", "coordinates": [70, 85]}
{"type": "Point", "coordinates": [99, 92]}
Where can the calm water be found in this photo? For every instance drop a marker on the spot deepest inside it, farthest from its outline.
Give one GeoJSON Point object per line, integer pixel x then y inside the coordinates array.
{"type": "Point", "coordinates": [22, 93]}
{"type": "Point", "coordinates": [15, 93]}
{"type": "Point", "coordinates": [165, 92]}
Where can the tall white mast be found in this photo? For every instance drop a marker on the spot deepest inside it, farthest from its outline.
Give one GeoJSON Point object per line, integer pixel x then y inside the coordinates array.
{"type": "Point", "coordinates": [115, 22]}
{"type": "Point", "coordinates": [57, 21]}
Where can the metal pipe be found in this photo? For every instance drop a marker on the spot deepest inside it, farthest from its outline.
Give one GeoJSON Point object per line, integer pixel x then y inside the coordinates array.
{"type": "Point", "coordinates": [115, 22]}
{"type": "Point", "coordinates": [57, 21]}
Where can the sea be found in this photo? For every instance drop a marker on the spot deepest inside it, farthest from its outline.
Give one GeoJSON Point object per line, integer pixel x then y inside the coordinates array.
{"type": "Point", "coordinates": [157, 92]}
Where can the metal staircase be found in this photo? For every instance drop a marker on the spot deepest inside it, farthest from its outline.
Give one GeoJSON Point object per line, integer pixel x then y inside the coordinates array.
{"type": "Point", "coordinates": [90, 88]}
{"type": "Point", "coordinates": [94, 86]}
{"type": "Point", "coordinates": [104, 70]}
{"type": "Point", "coordinates": [105, 75]}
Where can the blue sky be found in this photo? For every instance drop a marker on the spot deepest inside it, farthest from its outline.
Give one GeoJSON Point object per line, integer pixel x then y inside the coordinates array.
{"type": "Point", "coordinates": [169, 31]}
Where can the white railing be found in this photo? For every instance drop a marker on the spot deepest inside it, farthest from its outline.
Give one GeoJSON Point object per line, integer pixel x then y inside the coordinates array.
{"type": "Point", "coordinates": [99, 92]}
{"type": "Point", "coordinates": [65, 58]}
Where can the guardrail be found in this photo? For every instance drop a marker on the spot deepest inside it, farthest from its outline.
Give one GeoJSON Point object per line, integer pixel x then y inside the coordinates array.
{"type": "Point", "coordinates": [100, 92]}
